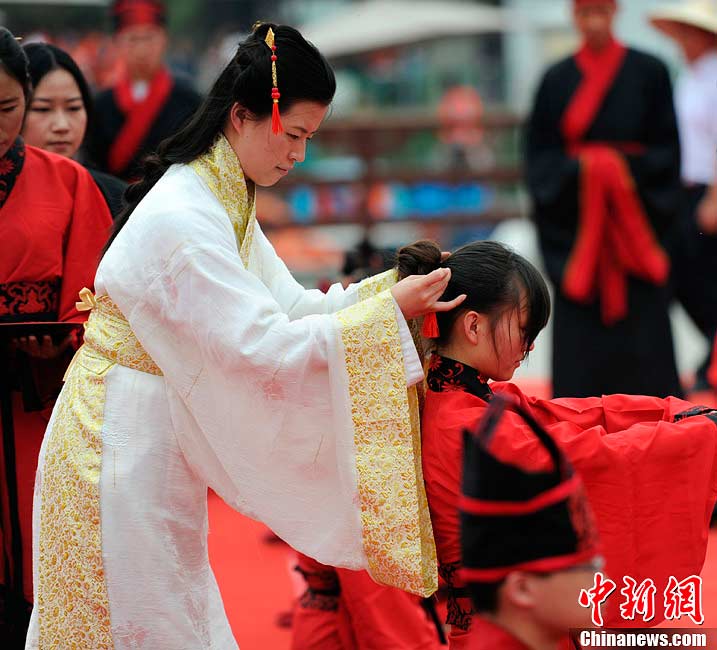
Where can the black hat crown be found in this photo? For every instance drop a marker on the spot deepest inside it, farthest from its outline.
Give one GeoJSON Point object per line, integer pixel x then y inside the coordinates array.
{"type": "Point", "coordinates": [514, 519]}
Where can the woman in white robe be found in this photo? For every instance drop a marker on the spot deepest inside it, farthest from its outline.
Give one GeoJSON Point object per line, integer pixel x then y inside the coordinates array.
{"type": "Point", "coordinates": [206, 364]}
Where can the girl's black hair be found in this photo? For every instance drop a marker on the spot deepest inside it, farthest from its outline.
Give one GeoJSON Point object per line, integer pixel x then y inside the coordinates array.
{"type": "Point", "coordinates": [44, 58]}
{"type": "Point", "coordinates": [494, 278]}
{"type": "Point", "coordinates": [13, 61]}
{"type": "Point", "coordinates": [303, 74]}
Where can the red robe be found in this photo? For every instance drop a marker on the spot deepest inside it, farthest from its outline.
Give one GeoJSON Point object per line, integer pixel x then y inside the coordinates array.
{"type": "Point", "coordinates": [54, 222]}
{"type": "Point", "coordinates": [347, 610]}
{"type": "Point", "coordinates": [649, 466]}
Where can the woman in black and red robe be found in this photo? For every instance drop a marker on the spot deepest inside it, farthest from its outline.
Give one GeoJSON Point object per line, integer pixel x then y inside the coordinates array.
{"type": "Point", "coordinates": [53, 224]}
{"type": "Point", "coordinates": [649, 464]}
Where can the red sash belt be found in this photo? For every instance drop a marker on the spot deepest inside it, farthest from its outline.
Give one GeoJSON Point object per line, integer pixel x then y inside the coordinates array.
{"type": "Point", "coordinates": [615, 238]}
{"type": "Point", "coordinates": [139, 118]}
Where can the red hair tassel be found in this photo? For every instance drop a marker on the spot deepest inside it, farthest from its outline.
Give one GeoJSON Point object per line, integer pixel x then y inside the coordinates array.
{"type": "Point", "coordinates": [430, 326]}
{"type": "Point", "coordinates": [276, 125]}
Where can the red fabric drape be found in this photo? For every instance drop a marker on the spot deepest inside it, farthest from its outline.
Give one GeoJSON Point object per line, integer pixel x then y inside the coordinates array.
{"type": "Point", "coordinates": [139, 117]}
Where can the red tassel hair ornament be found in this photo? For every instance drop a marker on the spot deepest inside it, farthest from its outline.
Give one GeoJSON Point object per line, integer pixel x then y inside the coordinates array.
{"type": "Point", "coordinates": [430, 326]}
{"type": "Point", "coordinates": [276, 125]}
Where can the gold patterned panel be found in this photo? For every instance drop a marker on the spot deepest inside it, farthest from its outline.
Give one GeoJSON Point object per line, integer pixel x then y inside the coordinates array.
{"type": "Point", "coordinates": [398, 537]}
{"type": "Point", "coordinates": [377, 283]}
{"type": "Point", "coordinates": [72, 600]}
{"type": "Point", "coordinates": [219, 168]}
{"type": "Point", "coordinates": [108, 333]}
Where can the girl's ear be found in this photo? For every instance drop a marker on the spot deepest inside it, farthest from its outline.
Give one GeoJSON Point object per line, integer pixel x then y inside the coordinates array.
{"type": "Point", "coordinates": [474, 324]}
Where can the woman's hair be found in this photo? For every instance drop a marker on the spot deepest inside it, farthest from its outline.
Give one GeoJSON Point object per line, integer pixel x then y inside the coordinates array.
{"type": "Point", "coordinates": [495, 280]}
{"type": "Point", "coordinates": [303, 75]}
{"type": "Point", "coordinates": [44, 58]}
{"type": "Point", "coordinates": [13, 61]}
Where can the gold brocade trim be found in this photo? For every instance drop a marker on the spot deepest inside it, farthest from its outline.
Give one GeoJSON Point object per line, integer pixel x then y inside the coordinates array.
{"type": "Point", "coordinates": [219, 168]}
{"type": "Point", "coordinates": [396, 524]}
{"type": "Point", "coordinates": [72, 598]}
{"type": "Point", "coordinates": [377, 283]}
{"type": "Point", "coordinates": [109, 334]}
{"type": "Point", "coordinates": [71, 593]}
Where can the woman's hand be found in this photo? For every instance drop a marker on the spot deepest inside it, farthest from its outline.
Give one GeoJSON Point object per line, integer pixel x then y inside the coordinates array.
{"type": "Point", "coordinates": [417, 295]}
{"type": "Point", "coordinates": [44, 349]}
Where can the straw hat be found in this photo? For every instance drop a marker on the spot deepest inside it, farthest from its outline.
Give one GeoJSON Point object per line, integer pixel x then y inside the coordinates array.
{"type": "Point", "coordinates": [695, 13]}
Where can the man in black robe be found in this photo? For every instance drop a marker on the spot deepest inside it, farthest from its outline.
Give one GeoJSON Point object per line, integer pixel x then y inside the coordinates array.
{"type": "Point", "coordinates": [147, 104]}
{"type": "Point", "coordinates": [603, 170]}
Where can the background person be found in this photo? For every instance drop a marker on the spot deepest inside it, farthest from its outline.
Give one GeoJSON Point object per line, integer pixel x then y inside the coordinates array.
{"type": "Point", "coordinates": [147, 104]}
{"type": "Point", "coordinates": [61, 112]}
{"type": "Point", "coordinates": [602, 164]}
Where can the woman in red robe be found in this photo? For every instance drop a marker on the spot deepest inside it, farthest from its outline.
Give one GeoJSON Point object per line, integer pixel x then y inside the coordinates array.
{"type": "Point", "coordinates": [53, 224]}
{"type": "Point", "coordinates": [648, 463]}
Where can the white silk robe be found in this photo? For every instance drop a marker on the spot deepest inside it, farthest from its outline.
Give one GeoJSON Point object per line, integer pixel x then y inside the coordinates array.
{"type": "Point", "coordinates": [207, 365]}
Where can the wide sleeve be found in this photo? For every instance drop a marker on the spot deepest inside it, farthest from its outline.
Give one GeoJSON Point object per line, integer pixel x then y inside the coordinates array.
{"type": "Point", "coordinates": [612, 412]}
{"type": "Point", "coordinates": [88, 230]}
{"type": "Point", "coordinates": [297, 302]}
{"type": "Point", "coordinates": [304, 424]}
{"type": "Point", "coordinates": [551, 174]}
{"type": "Point", "coordinates": [652, 487]}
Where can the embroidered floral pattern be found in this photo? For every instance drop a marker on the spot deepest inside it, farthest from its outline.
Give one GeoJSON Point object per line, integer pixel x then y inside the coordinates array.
{"type": "Point", "coordinates": [221, 171]}
{"type": "Point", "coordinates": [25, 299]}
{"type": "Point", "coordinates": [71, 593]}
{"type": "Point", "coordinates": [108, 334]}
{"type": "Point", "coordinates": [445, 374]}
{"type": "Point", "coordinates": [311, 599]}
{"type": "Point", "coordinates": [377, 283]}
{"type": "Point", "coordinates": [459, 606]}
{"type": "Point", "coordinates": [398, 538]}
{"type": "Point", "coordinates": [72, 599]}
{"type": "Point", "coordinates": [10, 167]}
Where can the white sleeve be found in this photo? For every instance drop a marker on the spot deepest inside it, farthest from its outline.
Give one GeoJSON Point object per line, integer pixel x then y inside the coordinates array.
{"type": "Point", "coordinates": [301, 423]}
{"type": "Point", "coordinates": [296, 301]}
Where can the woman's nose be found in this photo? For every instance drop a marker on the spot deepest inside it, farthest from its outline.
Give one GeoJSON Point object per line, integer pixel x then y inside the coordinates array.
{"type": "Point", "coordinates": [60, 121]}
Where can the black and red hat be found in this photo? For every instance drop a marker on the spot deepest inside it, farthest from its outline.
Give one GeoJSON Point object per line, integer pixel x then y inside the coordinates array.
{"type": "Point", "coordinates": [130, 13]}
{"type": "Point", "coordinates": [518, 520]}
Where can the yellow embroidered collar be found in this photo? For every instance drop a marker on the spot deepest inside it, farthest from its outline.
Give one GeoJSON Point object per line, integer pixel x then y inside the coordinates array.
{"type": "Point", "coordinates": [220, 169]}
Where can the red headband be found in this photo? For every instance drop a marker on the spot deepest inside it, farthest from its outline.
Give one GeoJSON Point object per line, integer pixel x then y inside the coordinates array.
{"type": "Point", "coordinates": [577, 3]}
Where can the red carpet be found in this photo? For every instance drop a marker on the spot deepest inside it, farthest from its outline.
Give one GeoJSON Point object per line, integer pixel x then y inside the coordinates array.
{"type": "Point", "coordinates": [254, 577]}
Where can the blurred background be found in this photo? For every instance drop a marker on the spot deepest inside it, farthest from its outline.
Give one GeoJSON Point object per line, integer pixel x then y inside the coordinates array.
{"type": "Point", "coordinates": [424, 136]}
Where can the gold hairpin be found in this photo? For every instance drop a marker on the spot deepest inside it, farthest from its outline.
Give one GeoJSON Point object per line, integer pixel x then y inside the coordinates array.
{"type": "Point", "coordinates": [276, 125]}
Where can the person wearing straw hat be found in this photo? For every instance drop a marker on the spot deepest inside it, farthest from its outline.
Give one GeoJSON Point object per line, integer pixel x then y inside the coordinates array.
{"type": "Point", "coordinates": [602, 168]}
{"type": "Point", "coordinates": [692, 24]}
